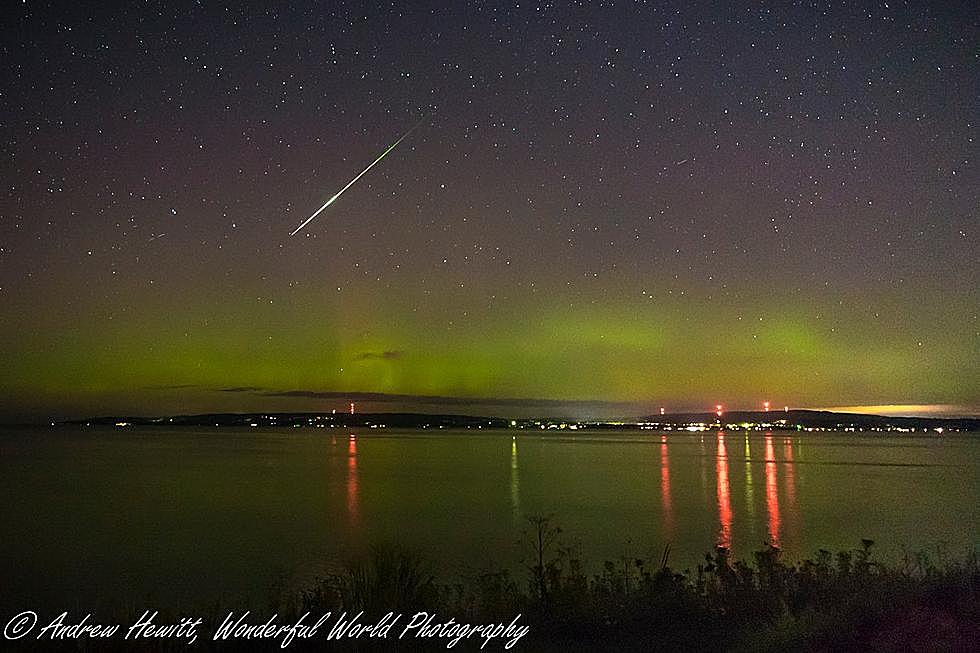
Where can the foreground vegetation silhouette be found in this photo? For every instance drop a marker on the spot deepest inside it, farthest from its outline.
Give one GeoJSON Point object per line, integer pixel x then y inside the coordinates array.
{"type": "Point", "coordinates": [832, 602]}
{"type": "Point", "coordinates": [847, 601]}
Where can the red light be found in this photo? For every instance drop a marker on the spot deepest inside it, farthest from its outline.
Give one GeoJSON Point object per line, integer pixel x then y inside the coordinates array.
{"type": "Point", "coordinates": [765, 405]}
{"type": "Point", "coordinates": [718, 410]}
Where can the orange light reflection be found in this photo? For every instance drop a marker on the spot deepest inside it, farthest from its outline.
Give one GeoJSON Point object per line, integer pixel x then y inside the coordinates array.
{"type": "Point", "coordinates": [665, 487]}
{"type": "Point", "coordinates": [353, 504]}
{"type": "Point", "coordinates": [724, 495]}
{"type": "Point", "coordinates": [772, 492]}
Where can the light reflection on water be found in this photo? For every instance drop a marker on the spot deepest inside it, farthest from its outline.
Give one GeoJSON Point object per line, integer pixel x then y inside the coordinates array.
{"type": "Point", "coordinates": [353, 501]}
{"type": "Point", "coordinates": [749, 498]}
{"type": "Point", "coordinates": [226, 512]}
{"type": "Point", "coordinates": [724, 495]}
{"type": "Point", "coordinates": [515, 483]}
{"type": "Point", "coordinates": [772, 492]}
{"type": "Point", "coordinates": [665, 501]}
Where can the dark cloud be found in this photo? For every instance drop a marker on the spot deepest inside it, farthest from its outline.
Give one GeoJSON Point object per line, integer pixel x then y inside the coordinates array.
{"type": "Point", "coordinates": [242, 388]}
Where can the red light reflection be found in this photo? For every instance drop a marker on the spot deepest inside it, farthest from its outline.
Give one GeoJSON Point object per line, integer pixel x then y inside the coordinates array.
{"type": "Point", "coordinates": [724, 495]}
{"type": "Point", "coordinates": [665, 486]}
{"type": "Point", "coordinates": [353, 507]}
{"type": "Point", "coordinates": [772, 492]}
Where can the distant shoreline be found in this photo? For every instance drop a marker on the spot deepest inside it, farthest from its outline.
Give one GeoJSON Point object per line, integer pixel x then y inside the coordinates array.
{"type": "Point", "coordinates": [793, 421]}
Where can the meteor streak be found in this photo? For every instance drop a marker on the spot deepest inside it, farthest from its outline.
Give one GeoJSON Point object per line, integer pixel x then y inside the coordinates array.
{"type": "Point", "coordinates": [352, 181]}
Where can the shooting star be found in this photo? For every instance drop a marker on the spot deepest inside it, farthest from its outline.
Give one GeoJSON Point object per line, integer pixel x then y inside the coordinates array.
{"type": "Point", "coordinates": [354, 180]}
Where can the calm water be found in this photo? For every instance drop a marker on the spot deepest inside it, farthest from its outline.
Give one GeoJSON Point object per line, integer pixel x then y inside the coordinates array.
{"type": "Point", "coordinates": [107, 518]}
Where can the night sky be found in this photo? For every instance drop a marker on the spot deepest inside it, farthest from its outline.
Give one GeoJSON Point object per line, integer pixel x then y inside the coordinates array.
{"type": "Point", "coordinates": [663, 204]}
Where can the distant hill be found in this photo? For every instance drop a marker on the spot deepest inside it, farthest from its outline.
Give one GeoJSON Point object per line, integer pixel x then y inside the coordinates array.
{"type": "Point", "coordinates": [818, 419]}
{"type": "Point", "coordinates": [774, 420]}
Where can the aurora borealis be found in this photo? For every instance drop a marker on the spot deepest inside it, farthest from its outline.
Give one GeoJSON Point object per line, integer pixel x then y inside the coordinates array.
{"type": "Point", "coordinates": [669, 204]}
